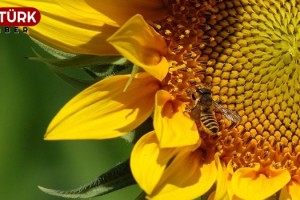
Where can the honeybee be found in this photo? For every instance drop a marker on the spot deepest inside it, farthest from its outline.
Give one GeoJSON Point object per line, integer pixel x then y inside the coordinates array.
{"type": "Point", "coordinates": [204, 111]}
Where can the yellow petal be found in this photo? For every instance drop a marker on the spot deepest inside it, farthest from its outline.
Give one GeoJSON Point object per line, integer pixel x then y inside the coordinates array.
{"type": "Point", "coordinates": [212, 196]}
{"type": "Point", "coordinates": [223, 187]}
{"type": "Point", "coordinates": [67, 31]}
{"type": "Point", "coordinates": [284, 194]}
{"type": "Point", "coordinates": [290, 191]}
{"type": "Point", "coordinates": [104, 111]}
{"type": "Point", "coordinates": [115, 12]}
{"type": "Point", "coordinates": [250, 183]}
{"type": "Point", "coordinates": [148, 161]}
{"type": "Point", "coordinates": [172, 126]}
{"type": "Point", "coordinates": [222, 184]}
{"type": "Point", "coordinates": [187, 177]}
{"type": "Point", "coordinates": [294, 190]}
{"type": "Point", "coordinates": [142, 45]}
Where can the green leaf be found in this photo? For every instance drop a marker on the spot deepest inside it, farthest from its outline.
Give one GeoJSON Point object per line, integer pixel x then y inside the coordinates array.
{"type": "Point", "coordinates": [75, 82]}
{"type": "Point", "coordinates": [96, 73]}
{"type": "Point", "coordinates": [97, 67]}
{"type": "Point", "coordinates": [135, 69]}
{"type": "Point", "coordinates": [81, 61]}
{"type": "Point", "coordinates": [114, 179]}
{"type": "Point", "coordinates": [129, 137]}
{"type": "Point", "coordinates": [103, 71]}
{"type": "Point", "coordinates": [142, 196]}
{"type": "Point", "coordinates": [52, 51]}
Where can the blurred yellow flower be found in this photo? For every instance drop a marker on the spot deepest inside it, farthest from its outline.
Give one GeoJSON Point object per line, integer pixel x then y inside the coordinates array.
{"type": "Point", "coordinates": [246, 52]}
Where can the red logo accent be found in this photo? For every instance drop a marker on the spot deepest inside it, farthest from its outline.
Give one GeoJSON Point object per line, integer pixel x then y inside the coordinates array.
{"type": "Point", "coordinates": [19, 16]}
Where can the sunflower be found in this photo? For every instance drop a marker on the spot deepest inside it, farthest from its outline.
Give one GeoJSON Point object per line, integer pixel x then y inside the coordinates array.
{"type": "Point", "coordinates": [246, 52]}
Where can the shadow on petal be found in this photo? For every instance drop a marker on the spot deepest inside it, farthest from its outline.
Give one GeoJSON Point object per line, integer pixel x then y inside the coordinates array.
{"type": "Point", "coordinates": [172, 126]}
{"type": "Point", "coordinates": [104, 111]}
{"type": "Point", "coordinates": [189, 176]}
{"type": "Point", "coordinates": [148, 161]}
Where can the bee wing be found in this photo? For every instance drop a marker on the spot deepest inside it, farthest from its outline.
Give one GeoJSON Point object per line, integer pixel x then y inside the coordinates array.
{"type": "Point", "coordinates": [229, 114]}
{"type": "Point", "coordinates": [195, 112]}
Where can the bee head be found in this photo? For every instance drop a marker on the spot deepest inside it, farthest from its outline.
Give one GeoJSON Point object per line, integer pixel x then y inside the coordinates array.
{"type": "Point", "coordinates": [203, 91]}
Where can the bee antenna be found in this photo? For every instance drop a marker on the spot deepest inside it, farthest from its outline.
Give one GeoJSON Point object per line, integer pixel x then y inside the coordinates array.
{"type": "Point", "coordinates": [202, 71]}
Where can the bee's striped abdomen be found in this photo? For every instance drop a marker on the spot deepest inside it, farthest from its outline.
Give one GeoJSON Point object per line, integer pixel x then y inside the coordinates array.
{"type": "Point", "coordinates": [209, 122]}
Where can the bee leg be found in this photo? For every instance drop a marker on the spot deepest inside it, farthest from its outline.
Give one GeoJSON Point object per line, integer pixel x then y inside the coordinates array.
{"type": "Point", "coordinates": [232, 125]}
{"type": "Point", "coordinates": [194, 97]}
{"type": "Point", "coordinates": [215, 137]}
{"type": "Point", "coordinates": [188, 110]}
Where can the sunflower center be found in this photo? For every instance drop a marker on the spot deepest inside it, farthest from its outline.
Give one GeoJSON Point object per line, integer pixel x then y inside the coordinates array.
{"type": "Point", "coordinates": [248, 53]}
{"type": "Point", "coordinates": [185, 31]}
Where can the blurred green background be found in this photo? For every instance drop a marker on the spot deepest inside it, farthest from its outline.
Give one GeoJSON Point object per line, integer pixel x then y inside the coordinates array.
{"type": "Point", "coordinates": [30, 95]}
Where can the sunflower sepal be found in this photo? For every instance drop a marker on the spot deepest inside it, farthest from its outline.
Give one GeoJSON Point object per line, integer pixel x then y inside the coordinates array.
{"type": "Point", "coordinates": [114, 179]}
{"type": "Point", "coordinates": [93, 68]}
{"type": "Point", "coordinates": [77, 83]}
{"type": "Point", "coordinates": [52, 51]}
{"type": "Point", "coordinates": [82, 61]}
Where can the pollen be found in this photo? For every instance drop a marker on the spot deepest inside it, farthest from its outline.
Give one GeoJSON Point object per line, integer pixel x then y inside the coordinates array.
{"type": "Point", "coordinates": [190, 45]}
{"type": "Point", "coordinates": [248, 54]}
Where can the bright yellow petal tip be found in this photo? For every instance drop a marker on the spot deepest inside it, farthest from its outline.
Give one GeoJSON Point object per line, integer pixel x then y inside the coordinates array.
{"type": "Point", "coordinates": [187, 177]}
{"type": "Point", "coordinates": [172, 126]}
{"type": "Point", "coordinates": [142, 45]}
{"type": "Point", "coordinates": [104, 111]}
{"type": "Point", "coordinates": [148, 161]}
{"type": "Point", "coordinates": [291, 191]}
{"type": "Point", "coordinates": [222, 189]}
{"type": "Point", "coordinates": [170, 173]}
{"type": "Point", "coordinates": [66, 31]}
{"type": "Point", "coordinates": [251, 183]}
